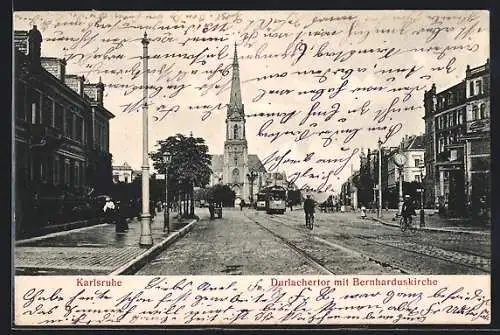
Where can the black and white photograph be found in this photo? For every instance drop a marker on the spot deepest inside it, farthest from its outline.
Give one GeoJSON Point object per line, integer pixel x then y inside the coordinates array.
{"type": "Point", "coordinates": [241, 143]}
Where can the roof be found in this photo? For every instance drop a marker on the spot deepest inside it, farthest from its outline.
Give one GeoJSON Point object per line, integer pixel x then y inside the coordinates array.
{"type": "Point", "coordinates": [417, 143]}
{"type": "Point", "coordinates": [254, 163]}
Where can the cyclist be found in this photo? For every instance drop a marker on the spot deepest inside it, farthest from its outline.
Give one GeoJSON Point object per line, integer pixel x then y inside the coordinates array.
{"type": "Point", "coordinates": [309, 210]}
{"type": "Point", "coordinates": [407, 209]}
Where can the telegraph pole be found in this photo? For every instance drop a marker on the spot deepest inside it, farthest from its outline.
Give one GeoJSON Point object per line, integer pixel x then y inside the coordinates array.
{"type": "Point", "coordinates": [146, 238]}
{"type": "Point", "coordinates": [379, 178]}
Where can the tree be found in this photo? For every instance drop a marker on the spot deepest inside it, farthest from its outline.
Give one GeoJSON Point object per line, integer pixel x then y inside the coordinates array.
{"type": "Point", "coordinates": [222, 194]}
{"type": "Point", "coordinates": [189, 167]}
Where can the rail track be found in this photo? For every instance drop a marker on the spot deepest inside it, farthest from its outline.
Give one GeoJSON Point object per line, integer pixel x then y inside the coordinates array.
{"type": "Point", "coordinates": [411, 249]}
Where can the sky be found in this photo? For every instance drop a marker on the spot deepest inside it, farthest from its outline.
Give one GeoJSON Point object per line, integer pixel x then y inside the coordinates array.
{"type": "Point", "coordinates": [351, 68]}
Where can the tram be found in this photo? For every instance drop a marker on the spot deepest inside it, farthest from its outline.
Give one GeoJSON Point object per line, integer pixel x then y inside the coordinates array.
{"type": "Point", "coordinates": [275, 199]}
{"type": "Point", "coordinates": [260, 205]}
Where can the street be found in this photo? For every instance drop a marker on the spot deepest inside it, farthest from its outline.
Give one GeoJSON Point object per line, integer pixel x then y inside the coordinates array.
{"type": "Point", "coordinates": [249, 242]}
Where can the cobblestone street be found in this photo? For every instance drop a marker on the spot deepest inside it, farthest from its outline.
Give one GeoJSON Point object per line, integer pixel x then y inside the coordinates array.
{"type": "Point", "coordinates": [254, 243]}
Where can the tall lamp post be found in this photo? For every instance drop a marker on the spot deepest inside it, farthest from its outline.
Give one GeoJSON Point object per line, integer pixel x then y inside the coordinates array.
{"type": "Point", "coordinates": [251, 178]}
{"type": "Point", "coordinates": [146, 238]}
{"type": "Point", "coordinates": [379, 214]}
{"type": "Point", "coordinates": [421, 190]}
{"type": "Point", "coordinates": [166, 214]}
{"type": "Point", "coordinates": [400, 160]}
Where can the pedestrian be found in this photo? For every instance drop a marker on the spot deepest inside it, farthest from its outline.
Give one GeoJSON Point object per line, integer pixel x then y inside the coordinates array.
{"type": "Point", "coordinates": [290, 204]}
{"type": "Point", "coordinates": [211, 209]}
{"type": "Point", "coordinates": [121, 224]}
{"type": "Point", "coordinates": [109, 210]}
{"type": "Point", "coordinates": [152, 209]}
{"type": "Point", "coordinates": [363, 212]}
{"type": "Point", "coordinates": [242, 204]}
{"type": "Point", "coordinates": [308, 208]}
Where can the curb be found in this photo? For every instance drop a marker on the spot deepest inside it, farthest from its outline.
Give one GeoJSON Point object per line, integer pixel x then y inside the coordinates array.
{"type": "Point", "coordinates": [141, 260]}
{"type": "Point", "coordinates": [438, 230]}
{"type": "Point", "coordinates": [19, 243]}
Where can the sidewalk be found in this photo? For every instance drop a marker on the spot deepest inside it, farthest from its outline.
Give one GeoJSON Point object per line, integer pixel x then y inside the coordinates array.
{"type": "Point", "coordinates": [436, 223]}
{"type": "Point", "coordinates": [96, 250]}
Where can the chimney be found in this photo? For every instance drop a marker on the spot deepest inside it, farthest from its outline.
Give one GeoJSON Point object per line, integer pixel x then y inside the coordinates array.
{"type": "Point", "coordinates": [55, 66]}
{"type": "Point", "coordinates": [95, 91]}
{"type": "Point", "coordinates": [21, 41]}
{"type": "Point", "coordinates": [34, 45]}
{"type": "Point", "coordinates": [76, 83]}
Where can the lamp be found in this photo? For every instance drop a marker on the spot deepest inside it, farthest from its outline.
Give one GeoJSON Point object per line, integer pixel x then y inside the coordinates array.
{"type": "Point", "coordinates": [166, 220]}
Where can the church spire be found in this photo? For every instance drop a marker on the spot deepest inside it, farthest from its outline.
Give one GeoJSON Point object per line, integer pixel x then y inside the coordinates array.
{"type": "Point", "coordinates": [235, 99]}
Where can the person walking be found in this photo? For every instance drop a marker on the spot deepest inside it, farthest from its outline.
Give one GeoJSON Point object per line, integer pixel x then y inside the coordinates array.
{"type": "Point", "coordinates": [211, 209]}
{"type": "Point", "coordinates": [109, 210]}
{"type": "Point", "coordinates": [309, 211]}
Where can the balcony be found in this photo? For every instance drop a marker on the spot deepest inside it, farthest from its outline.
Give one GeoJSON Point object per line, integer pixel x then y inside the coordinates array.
{"type": "Point", "coordinates": [46, 137]}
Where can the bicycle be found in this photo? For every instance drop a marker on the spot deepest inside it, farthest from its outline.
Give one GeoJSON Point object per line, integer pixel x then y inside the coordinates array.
{"type": "Point", "coordinates": [309, 220]}
{"type": "Point", "coordinates": [405, 223]}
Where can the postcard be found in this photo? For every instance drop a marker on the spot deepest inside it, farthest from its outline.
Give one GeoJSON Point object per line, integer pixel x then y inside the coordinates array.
{"type": "Point", "coordinates": [232, 168]}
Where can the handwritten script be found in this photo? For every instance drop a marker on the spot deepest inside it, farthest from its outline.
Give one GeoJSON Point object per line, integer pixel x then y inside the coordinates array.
{"type": "Point", "coordinates": [319, 80]}
{"type": "Point", "coordinates": [249, 300]}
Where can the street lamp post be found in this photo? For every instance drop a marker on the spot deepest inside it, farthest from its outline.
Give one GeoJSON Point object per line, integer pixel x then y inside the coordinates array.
{"type": "Point", "coordinates": [379, 214]}
{"type": "Point", "coordinates": [166, 212]}
{"type": "Point", "coordinates": [422, 212]}
{"type": "Point", "coordinates": [146, 238]}
{"type": "Point", "coordinates": [251, 178]}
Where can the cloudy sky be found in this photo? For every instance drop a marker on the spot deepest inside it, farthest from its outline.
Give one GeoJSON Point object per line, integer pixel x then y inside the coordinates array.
{"type": "Point", "coordinates": [291, 63]}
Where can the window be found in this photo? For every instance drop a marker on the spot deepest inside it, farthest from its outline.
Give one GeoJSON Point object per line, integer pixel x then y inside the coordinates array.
{"type": "Point", "coordinates": [43, 169]}
{"type": "Point", "coordinates": [235, 132]}
{"type": "Point", "coordinates": [417, 178]}
{"type": "Point", "coordinates": [59, 117]}
{"type": "Point", "coordinates": [479, 87]}
{"type": "Point", "coordinates": [78, 128]}
{"type": "Point", "coordinates": [236, 176]}
{"type": "Point", "coordinates": [116, 178]}
{"type": "Point", "coordinates": [417, 162]}
{"type": "Point", "coordinates": [471, 88]}
{"type": "Point", "coordinates": [47, 110]}
{"type": "Point", "coordinates": [77, 174]}
{"type": "Point", "coordinates": [482, 111]}
{"type": "Point", "coordinates": [69, 123]}
{"type": "Point", "coordinates": [474, 113]}
{"type": "Point", "coordinates": [441, 145]}
{"type": "Point", "coordinates": [20, 101]}
{"type": "Point", "coordinates": [461, 116]}
{"type": "Point", "coordinates": [57, 170]}
{"type": "Point", "coordinates": [66, 171]}
{"type": "Point", "coordinates": [35, 107]}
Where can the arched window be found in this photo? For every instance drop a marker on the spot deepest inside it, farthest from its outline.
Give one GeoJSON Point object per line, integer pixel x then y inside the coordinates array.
{"type": "Point", "coordinates": [235, 132]}
{"type": "Point", "coordinates": [474, 113]}
{"type": "Point", "coordinates": [482, 111]}
{"type": "Point", "coordinates": [236, 176]}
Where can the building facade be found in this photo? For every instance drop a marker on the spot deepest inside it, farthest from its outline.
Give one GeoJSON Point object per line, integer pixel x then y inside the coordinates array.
{"type": "Point", "coordinates": [123, 173]}
{"type": "Point", "coordinates": [61, 133]}
{"type": "Point", "coordinates": [457, 144]}
{"type": "Point", "coordinates": [234, 166]}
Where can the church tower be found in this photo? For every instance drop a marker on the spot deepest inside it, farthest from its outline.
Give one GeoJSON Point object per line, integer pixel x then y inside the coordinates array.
{"type": "Point", "coordinates": [235, 167]}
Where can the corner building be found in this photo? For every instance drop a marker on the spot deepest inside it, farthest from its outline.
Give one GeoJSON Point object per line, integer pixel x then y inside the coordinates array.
{"type": "Point", "coordinates": [61, 135]}
{"type": "Point", "coordinates": [457, 145]}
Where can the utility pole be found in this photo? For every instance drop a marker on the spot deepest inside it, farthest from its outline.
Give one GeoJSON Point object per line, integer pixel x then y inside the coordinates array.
{"type": "Point", "coordinates": [146, 238]}
{"type": "Point", "coordinates": [379, 178]}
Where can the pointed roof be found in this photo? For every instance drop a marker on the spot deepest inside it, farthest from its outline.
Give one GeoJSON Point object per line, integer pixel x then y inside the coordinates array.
{"type": "Point", "coordinates": [235, 98]}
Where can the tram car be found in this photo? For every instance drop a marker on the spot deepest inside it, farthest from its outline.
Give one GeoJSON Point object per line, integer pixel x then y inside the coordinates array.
{"type": "Point", "coordinates": [275, 199]}
{"type": "Point", "coordinates": [260, 205]}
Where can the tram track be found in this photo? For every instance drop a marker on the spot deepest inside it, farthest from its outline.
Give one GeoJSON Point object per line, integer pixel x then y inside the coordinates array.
{"type": "Point", "coordinates": [380, 260]}
{"type": "Point", "coordinates": [308, 258]}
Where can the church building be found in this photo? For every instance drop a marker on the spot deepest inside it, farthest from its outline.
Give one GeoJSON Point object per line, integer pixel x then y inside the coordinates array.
{"type": "Point", "coordinates": [244, 173]}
